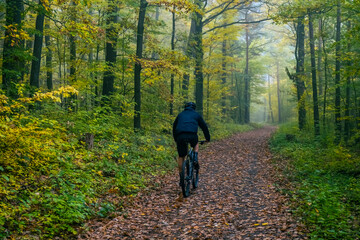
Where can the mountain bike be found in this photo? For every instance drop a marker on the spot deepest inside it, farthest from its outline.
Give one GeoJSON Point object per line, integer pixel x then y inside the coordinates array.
{"type": "Point", "coordinates": [189, 174]}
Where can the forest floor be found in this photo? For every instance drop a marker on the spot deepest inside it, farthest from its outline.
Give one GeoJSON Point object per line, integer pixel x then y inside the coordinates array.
{"type": "Point", "coordinates": [236, 199]}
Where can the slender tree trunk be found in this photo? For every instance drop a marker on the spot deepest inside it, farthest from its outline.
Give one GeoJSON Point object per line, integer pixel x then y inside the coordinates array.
{"type": "Point", "coordinates": [239, 99]}
{"type": "Point", "coordinates": [265, 111]}
{"type": "Point", "coordinates": [49, 54]}
{"type": "Point", "coordinates": [13, 62]}
{"type": "Point", "coordinates": [185, 86]}
{"type": "Point", "coordinates": [319, 62]}
{"type": "Point", "coordinates": [72, 42]}
{"type": "Point", "coordinates": [337, 76]}
{"type": "Point", "coordinates": [313, 74]}
{"type": "Point", "coordinates": [35, 65]}
{"type": "Point", "coordinates": [137, 71]}
{"type": "Point", "coordinates": [172, 74]}
{"type": "Point", "coordinates": [278, 90]}
{"type": "Point", "coordinates": [347, 98]}
{"type": "Point", "coordinates": [189, 52]}
{"type": "Point", "coordinates": [270, 106]}
{"type": "Point", "coordinates": [110, 51]}
{"type": "Point", "coordinates": [224, 75]}
{"type": "Point", "coordinates": [325, 83]}
{"type": "Point", "coordinates": [300, 72]}
{"type": "Point", "coordinates": [199, 55]}
{"type": "Point", "coordinates": [247, 80]}
{"type": "Point", "coordinates": [208, 87]}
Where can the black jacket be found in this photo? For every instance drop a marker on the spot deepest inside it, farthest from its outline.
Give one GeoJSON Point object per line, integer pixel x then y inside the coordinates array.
{"type": "Point", "coordinates": [188, 121]}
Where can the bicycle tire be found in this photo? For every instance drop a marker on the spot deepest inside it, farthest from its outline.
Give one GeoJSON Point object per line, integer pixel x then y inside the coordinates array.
{"type": "Point", "coordinates": [185, 178]}
{"type": "Point", "coordinates": [195, 180]}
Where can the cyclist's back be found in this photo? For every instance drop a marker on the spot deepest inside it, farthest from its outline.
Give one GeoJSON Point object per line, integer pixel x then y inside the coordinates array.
{"type": "Point", "coordinates": [185, 130]}
{"type": "Point", "coordinates": [188, 122]}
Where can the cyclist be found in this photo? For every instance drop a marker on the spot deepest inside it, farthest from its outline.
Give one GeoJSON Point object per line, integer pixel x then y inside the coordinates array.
{"type": "Point", "coordinates": [185, 130]}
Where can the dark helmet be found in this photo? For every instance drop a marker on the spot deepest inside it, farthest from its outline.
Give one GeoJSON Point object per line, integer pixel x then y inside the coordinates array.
{"type": "Point", "coordinates": [190, 104]}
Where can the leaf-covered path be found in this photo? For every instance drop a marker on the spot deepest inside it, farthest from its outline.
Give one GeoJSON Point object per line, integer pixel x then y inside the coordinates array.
{"type": "Point", "coordinates": [236, 199]}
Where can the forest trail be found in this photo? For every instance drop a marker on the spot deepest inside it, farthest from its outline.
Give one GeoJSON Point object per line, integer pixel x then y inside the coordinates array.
{"type": "Point", "coordinates": [235, 199]}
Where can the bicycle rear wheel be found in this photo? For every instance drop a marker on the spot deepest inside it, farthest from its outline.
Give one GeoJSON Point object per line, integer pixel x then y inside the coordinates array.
{"type": "Point", "coordinates": [185, 178]}
{"type": "Point", "coordinates": [195, 179]}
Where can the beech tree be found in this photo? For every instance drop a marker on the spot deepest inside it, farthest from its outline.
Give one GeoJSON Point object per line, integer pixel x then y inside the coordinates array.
{"type": "Point", "coordinates": [338, 125]}
{"type": "Point", "coordinates": [137, 70]}
{"type": "Point", "coordinates": [110, 48]}
{"type": "Point", "coordinates": [313, 74]}
{"type": "Point", "coordinates": [37, 49]}
{"type": "Point", "coordinates": [13, 56]}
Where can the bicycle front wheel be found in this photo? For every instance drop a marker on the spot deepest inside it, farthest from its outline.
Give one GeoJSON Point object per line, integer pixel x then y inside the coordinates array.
{"type": "Point", "coordinates": [185, 178]}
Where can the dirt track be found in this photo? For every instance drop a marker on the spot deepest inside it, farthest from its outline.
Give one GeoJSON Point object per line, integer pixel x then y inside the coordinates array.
{"type": "Point", "coordinates": [236, 199]}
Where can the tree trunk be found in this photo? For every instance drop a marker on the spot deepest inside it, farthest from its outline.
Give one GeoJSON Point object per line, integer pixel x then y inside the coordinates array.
{"type": "Point", "coordinates": [337, 75]}
{"type": "Point", "coordinates": [325, 83]}
{"type": "Point", "coordinates": [199, 55]}
{"type": "Point", "coordinates": [13, 62]}
{"type": "Point", "coordinates": [270, 106]}
{"type": "Point", "coordinates": [239, 114]}
{"type": "Point", "coordinates": [347, 98]}
{"type": "Point", "coordinates": [247, 80]}
{"type": "Point", "coordinates": [208, 86]}
{"type": "Point", "coordinates": [185, 86]}
{"type": "Point", "coordinates": [189, 52]}
{"type": "Point", "coordinates": [300, 32]}
{"type": "Point", "coordinates": [72, 42]}
{"type": "Point", "coordinates": [137, 71]}
{"type": "Point", "coordinates": [49, 80]}
{"type": "Point", "coordinates": [35, 65]}
{"type": "Point", "coordinates": [313, 75]}
{"type": "Point", "coordinates": [278, 90]}
{"type": "Point", "coordinates": [110, 51]}
{"type": "Point", "coordinates": [224, 75]}
{"type": "Point", "coordinates": [172, 74]}
{"type": "Point", "coordinates": [319, 62]}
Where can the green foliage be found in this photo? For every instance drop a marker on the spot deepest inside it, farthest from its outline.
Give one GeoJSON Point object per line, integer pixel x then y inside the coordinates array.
{"type": "Point", "coordinates": [51, 182]}
{"type": "Point", "coordinates": [326, 183]}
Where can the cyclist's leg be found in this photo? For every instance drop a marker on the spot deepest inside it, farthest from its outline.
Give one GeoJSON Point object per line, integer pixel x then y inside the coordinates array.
{"type": "Point", "coordinates": [182, 151]}
{"type": "Point", "coordinates": [194, 143]}
{"type": "Point", "coordinates": [196, 148]}
{"type": "Point", "coordinates": [180, 163]}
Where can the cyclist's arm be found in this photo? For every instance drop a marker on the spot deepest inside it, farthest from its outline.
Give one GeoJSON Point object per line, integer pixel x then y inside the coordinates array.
{"type": "Point", "coordinates": [204, 128]}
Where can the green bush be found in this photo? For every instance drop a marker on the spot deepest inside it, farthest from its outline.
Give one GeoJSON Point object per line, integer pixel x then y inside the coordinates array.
{"type": "Point", "coordinates": [51, 183]}
{"type": "Point", "coordinates": [326, 190]}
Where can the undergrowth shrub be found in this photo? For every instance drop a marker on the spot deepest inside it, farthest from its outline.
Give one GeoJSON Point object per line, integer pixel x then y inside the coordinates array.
{"type": "Point", "coordinates": [325, 182]}
{"type": "Point", "coordinates": [51, 182]}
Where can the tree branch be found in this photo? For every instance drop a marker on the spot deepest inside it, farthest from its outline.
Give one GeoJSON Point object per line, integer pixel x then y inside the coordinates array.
{"type": "Point", "coordinates": [237, 22]}
{"type": "Point", "coordinates": [218, 6]}
{"type": "Point", "coordinates": [226, 8]}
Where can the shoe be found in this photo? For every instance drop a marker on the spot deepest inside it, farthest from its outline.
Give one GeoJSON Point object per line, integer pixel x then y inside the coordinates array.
{"type": "Point", "coordinates": [196, 165]}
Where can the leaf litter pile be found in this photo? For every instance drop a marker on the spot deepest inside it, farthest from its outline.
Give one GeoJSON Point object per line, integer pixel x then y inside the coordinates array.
{"type": "Point", "coordinates": [235, 199]}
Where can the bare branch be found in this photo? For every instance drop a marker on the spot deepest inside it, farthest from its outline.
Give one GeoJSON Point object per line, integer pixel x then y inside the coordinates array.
{"type": "Point", "coordinates": [237, 22]}
{"type": "Point", "coordinates": [227, 7]}
{"type": "Point", "coordinates": [218, 6]}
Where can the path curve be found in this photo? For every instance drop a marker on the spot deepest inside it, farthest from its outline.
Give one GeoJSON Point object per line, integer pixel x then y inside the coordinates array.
{"type": "Point", "coordinates": [236, 199]}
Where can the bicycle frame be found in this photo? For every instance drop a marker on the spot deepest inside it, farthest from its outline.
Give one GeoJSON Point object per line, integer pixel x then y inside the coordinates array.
{"type": "Point", "coordinates": [188, 174]}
